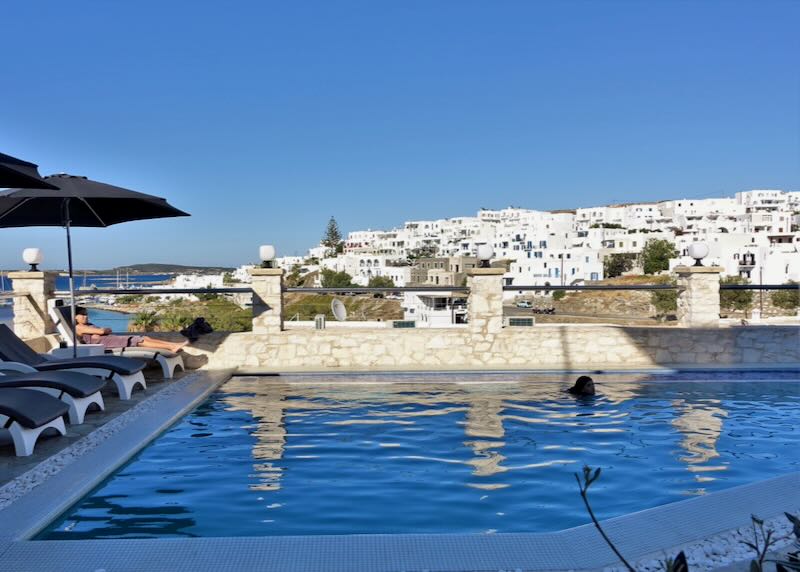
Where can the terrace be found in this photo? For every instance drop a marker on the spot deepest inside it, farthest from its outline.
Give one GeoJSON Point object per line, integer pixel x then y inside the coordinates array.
{"type": "Point", "coordinates": [484, 350]}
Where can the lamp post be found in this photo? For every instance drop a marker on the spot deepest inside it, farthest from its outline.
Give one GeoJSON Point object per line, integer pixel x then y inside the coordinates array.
{"type": "Point", "coordinates": [485, 254]}
{"type": "Point", "coordinates": [34, 257]}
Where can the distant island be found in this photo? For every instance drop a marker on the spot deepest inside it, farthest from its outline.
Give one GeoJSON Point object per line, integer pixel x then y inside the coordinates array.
{"type": "Point", "coordinates": [156, 268]}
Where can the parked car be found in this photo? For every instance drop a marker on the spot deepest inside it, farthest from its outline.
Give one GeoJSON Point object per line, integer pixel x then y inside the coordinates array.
{"type": "Point", "coordinates": [524, 304]}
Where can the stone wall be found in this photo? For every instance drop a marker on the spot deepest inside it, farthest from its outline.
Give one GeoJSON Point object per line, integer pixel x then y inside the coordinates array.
{"type": "Point", "coordinates": [30, 305]}
{"type": "Point", "coordinates": [539, 347]}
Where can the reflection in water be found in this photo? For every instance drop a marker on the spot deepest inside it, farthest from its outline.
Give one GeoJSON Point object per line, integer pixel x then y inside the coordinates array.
{"type": "Point", "coordinates": [270, 434]}
{"type": "Point", "coordinates": [484, 405]}
{"type": "Point", "coordinates": [127, 521]}
{"type": "Point", "coordinates": [700, 425]}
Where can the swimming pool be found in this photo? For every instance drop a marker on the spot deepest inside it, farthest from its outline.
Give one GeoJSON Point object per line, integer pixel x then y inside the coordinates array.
{"type": "Point", "coordinates": [432, 454]}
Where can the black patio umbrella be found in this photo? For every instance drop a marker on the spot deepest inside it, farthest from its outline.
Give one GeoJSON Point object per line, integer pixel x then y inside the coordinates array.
{"type": "Point", "coordinates": [78, 201]}
{"type": "Point", "coordinates": [18, 173]}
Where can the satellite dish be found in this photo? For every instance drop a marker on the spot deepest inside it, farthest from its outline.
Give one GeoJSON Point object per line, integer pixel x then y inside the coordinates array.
{"type": "Point", "coordinates": [339, 311]}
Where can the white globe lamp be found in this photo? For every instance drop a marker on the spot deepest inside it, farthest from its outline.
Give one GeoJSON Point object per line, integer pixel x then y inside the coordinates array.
{"type": "Point", "coordinates": [698, 251]}
{"type": "Point", "coordinates": [266, 253]}
{"type": "Point", "coordinates": [34, 257]}
{"type": "Point", "coordinates": [485, 254]}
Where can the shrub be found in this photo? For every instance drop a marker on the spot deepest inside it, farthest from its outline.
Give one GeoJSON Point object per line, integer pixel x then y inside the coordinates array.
{"type": "Point", "coordinates": [174, 321]}
{"type": "Point", "coordinates": [145, 321]}
{"type": "Point", "coordinates": [665, 302]}
{"type": "Point", "coordinates": [735, 299]}
{"type": "Point", "coordinates": [559, 294]}
{"type": "Point", "coordinates": [787, 299]}
{"type": "Point", "coordinates": [130, 298]}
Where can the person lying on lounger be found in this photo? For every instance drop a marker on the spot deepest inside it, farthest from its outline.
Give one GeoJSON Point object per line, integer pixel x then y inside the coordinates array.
{"type": "Point", "coordinates": [584, 385]}
{"type": "Point", "coordinates": [90, 334]}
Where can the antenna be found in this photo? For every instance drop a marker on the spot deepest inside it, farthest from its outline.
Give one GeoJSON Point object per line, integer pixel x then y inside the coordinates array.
{"type": "Point", "coordinates": [338, 309]}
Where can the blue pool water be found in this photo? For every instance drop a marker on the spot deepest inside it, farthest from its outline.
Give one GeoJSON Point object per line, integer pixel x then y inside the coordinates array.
{"type": "Point", "coordinates": [494, 453]}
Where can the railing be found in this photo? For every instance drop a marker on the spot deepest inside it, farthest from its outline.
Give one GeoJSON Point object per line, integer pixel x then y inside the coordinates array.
{"type": "Point", "coordinates": [163, 315]}
{"type": "Point", "coordinates": [388, 290]}
{"type": "Point", "coordinates": [546, 288]}
{"type": "Point", "coordinates": [759, 287]}
{"type": "Point", "coordinates": [621, 304]}
{"type": "Point", "coordinates": [146, 291]}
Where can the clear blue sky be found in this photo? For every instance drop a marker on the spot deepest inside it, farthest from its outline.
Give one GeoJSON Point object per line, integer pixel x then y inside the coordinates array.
{"type": "Point", "coordinates": [263, 119]}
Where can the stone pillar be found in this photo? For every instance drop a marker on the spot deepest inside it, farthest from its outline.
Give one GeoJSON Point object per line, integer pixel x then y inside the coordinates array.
{"type": "Point", "coordinates": [485, 302]}
{"type": "Point", "coordinates": [32, 290]}
{"type": "Point", "coordinates": [267, 300]}
{"type": "Point", "coordinates": [698, 296]}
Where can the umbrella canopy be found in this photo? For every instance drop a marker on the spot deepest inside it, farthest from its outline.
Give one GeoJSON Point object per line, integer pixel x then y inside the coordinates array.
{"type": "Point", "coordinates": [90, 204]}
{"type": "Point", "coordinates": [18, 173]}
{"type": "Point", "coordinates": [78, 201]}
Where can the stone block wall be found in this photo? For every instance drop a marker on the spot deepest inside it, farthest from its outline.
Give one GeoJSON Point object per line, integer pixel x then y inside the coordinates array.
{"type": "Point", "coordinates": [698, 298]}
{"type": "Point", "coordinates": [539, 347]}
{"type": "Point", "coordinates": [33, 289]}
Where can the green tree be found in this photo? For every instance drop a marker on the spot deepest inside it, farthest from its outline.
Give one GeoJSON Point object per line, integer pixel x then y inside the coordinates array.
{"type": "Point", "coordinates": [787, 299]}
{"type": "Point", "coordinates": [227, 279]}
{"type": "Point", "coordinates": [559, 294]}
{"type": "Point", "coordinates": [741, 300]}
{"type": "Point", "coordinates": [332, 237]}
{"type": "Point", "coordinates": [333, 279]}
{"type": "Point", "coordinates": [615, 264]}
{"type": "Point", "coordinates": [381, 282]}
{"type": "Point", "coordinates": [294, 278]}
{"type": "Point", "coordinates": [656, 254]}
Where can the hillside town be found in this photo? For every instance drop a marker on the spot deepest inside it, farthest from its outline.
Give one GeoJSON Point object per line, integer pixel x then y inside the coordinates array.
{"type": "Point", "coordinates": [755, 235]}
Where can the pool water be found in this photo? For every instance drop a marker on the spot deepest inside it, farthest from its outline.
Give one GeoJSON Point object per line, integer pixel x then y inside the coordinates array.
{"type": "Point", "coordinates": [470, 454]}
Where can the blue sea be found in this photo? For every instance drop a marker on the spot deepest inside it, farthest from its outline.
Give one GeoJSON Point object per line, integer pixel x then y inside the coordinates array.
{"type": "Point", "coordinates": [101, 281]}
{"type": "Point", "coordinates": [117, 321]}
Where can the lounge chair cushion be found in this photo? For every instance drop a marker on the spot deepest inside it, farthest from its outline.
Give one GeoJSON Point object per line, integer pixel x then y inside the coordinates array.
{"type": "Point", "coordinates": [71, 382]}
{"type": "Point", "coordinates": [30, 408]}
{"type": "Point", "coordinates": [14, 349]}
{"type": "Point", "coordinates": [120, 365]}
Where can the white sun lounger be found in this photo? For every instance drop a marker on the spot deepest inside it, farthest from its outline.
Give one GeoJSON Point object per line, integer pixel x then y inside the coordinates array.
{"type": "Point", "coordinates": [125, 373]}
{"type": "Point", "coordinates": [169, 362]}
{"type": "Point", "coordinates": [27, 414]}
{"type": "Point", "coordinates": [78, 390]}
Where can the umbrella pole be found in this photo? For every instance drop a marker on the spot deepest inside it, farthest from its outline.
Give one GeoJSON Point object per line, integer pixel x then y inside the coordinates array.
{"type": "Point", "coordinates": [71, 281]}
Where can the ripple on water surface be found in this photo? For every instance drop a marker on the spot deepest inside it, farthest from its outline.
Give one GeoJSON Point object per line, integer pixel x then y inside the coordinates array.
{"type": "Point", "coordinates": [268, 457]}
